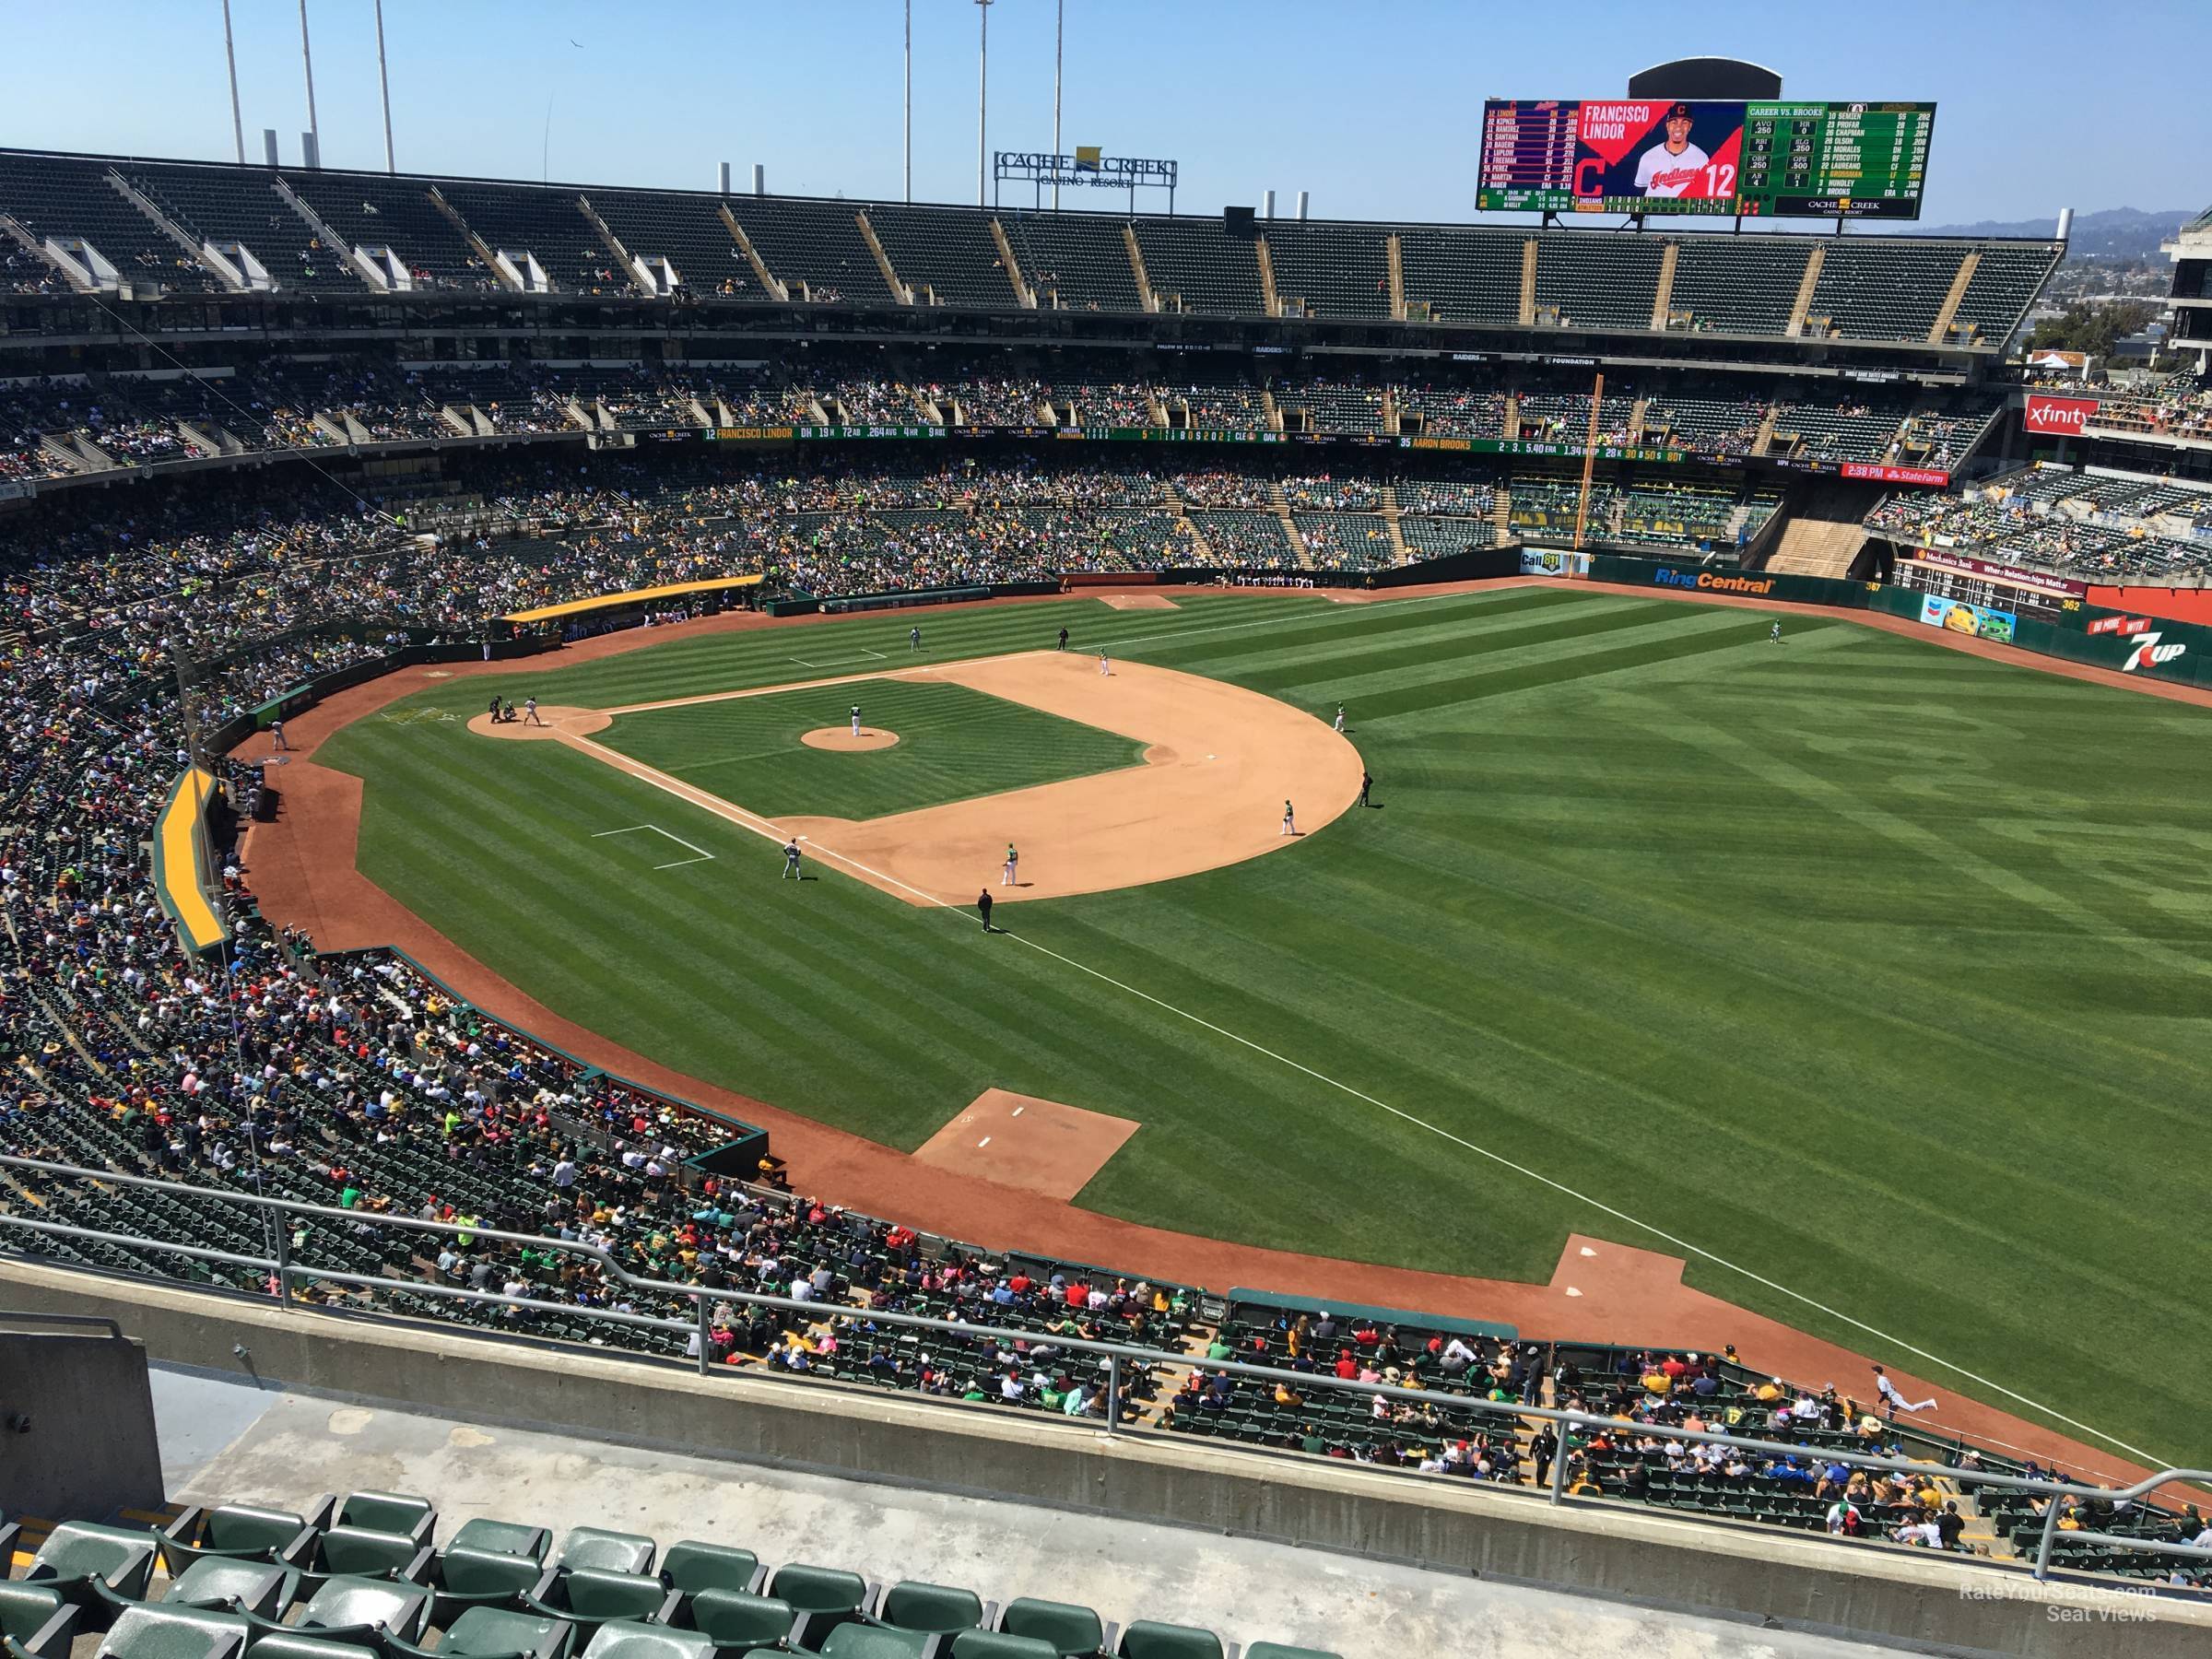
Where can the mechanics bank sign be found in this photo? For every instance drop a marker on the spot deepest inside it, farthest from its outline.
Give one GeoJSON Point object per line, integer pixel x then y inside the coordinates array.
{"type": "Point", "coordinates": [1711, 581]}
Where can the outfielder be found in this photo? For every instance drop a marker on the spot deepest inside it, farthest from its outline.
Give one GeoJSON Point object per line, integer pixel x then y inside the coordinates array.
{"type": "Point", "coordinates": [1775, 635]}
{"type": "Point", "coordinates": [855, 720]}
{"type": "Point", "coordinates": [1007, 877]}
{"type": "Point", "coordinates": [1289, 821]}
{"type": "Point", "coordinates": [1339, 719]}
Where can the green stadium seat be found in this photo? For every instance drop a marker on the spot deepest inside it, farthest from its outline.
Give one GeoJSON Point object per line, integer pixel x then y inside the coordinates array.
{"type": "Point", "coordinates": [692, 1565]}
{"type": "Point", "coordinates": [503, 1537]}
{"type": "Point", "coordinates": [997, 1644]}
{"type": "Point", "coordinates": [36, 1619]}
{"type": "Point", "coordinates": [361, 1610]}
{"type": "Point", "coordinates": [389, 1513]}
{"type": "Point", "coordinates": [739, 1623]}
{"type": "Point", "coordinates": [588, 1598]}
{"type": "Point", "coordinates": [626, 1639]}
{"type": "Point", "coordinates": [1147, 1639]}
{"type": "Point", "coordinates": [78, 1552]}
{"type": "Point", "coordinates": [493, 1634]}
{"type": "Point", "coordinates": [933, 1610]}
{"type": "Point", "coordinates": [819, 1590]}
{"type": "Point", "coordinates": [1278, 1649]}
{"type": "Point", "coordinates": [357, 1552]}
{"type": "Point", "coordinates": [873, 1642]}
{"type": "Point", "coordinates": [290, 1645]}
{"type": "Point", "coordinates": [227, 1585]}
{"type": "Point", "coordinates": [1072, 1630]}
{"type": "Point", "coordinates": [245, 1530]}
{"type": "Point", "coordinates": [165, 1633]}
{"type": "Point", "coordinates": [606, 1551]}
{"type": "Point", "coordinates": [463, 1578]}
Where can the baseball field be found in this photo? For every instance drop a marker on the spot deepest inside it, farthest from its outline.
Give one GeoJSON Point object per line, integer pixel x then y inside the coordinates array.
{"type": "Point", "coordinates": [1871, 976]}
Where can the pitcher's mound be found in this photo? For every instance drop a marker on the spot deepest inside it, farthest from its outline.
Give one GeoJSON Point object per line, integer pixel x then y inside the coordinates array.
{"type": "Point", "coordinates": [577, 722]}
{"type": "Point", "coordinates": [841, 738]}
{"type": "Point", "coordinates": [1139, 602]}
{"type": "Point", "coordinates": [1022, 1141]}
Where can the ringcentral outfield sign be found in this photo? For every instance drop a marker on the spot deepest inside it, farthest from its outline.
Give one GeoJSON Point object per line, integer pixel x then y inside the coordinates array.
{"type": "Point", "coordinates": [1713, 581]}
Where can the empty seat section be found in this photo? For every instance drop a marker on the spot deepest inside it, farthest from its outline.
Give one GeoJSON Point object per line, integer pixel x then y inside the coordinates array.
{"type": "Point", "coordinates": [2003, 286]}
{"type": "Point", "coordinates": [240, 204]}
{"type": "Point", "coordinates": [1338, 270]}
{"type": "Point", "coordinates": [397, 214]}
{"type": "Point", "coordinates": [1597, 281]}
{"type": "Point", "coordinates": [946, 252]}
{"type": "Point", "coordinates": [544, 221]}
{"type": "Point", "coordinates": [815, 243]}
{"type": "Point", "coordinates": [1883, 287]}
{"type": "Point", "coordinates": [1215, 275]}
{"type": "Point", "coordinates": [1738, 284]}
{"type": "Point", "coordinates": [1079, 259]}
{"type": "Point", "coordinates": [684, 229]}
{"type": "Point", "coordinates": [1464, 275]}
{"type": "Point", "coordinates": [63, 200]}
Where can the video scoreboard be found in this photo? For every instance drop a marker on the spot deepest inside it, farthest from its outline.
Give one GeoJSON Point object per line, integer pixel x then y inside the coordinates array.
{"type": "Point", "coordinates": [1763, 161]}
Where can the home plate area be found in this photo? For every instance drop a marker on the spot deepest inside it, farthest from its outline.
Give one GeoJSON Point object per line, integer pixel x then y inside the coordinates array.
{"type": "Point", "coordinates": [1022, 1141]}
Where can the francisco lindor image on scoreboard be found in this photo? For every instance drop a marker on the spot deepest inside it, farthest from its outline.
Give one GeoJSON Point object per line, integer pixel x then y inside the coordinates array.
{"type": "Point", "coordinates": [1675, 150]}
{"type": "Point", "coordinates": [1673, 166]}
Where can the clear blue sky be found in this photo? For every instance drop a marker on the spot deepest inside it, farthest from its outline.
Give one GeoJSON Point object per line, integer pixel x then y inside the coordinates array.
{"type": "Point", "coordinates": [1375, 108]}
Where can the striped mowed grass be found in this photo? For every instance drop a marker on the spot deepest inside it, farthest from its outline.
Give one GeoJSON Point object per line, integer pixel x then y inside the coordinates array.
{"type": "Point", "coordinates": [1877, 968]}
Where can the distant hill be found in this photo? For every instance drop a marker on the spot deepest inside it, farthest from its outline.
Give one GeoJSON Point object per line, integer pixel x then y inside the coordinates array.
{"type": "Point", "coordinates": [2108, 233]}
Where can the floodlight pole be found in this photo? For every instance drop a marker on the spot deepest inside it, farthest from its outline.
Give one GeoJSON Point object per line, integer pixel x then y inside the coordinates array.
{"type": "Point", "coordinates": [1059, 42]}
{"type": "Point", "coordinates": [907, 144]}
{"type": "Point", "coordinates": [982, 89]}
{"type": "Point", "coordinates": [238, 124]}
{"type": "Point", "coordinates": [383, 81]}
{"type": "Point", "coordinates": [307, 63]}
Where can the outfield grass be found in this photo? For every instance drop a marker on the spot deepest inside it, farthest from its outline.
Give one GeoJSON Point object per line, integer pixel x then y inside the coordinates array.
{"type": "Point", "coordinates": [1878, 969]}
{"type": "Point", "coordinates": [954, 744]}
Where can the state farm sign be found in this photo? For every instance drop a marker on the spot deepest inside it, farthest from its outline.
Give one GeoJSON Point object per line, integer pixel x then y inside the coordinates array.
{"type": "Point", "coordinates": [2061, 415]}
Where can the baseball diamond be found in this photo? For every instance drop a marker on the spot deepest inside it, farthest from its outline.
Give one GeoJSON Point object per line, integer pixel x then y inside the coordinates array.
{"type": "Point", "coordinates": [1536, 948]}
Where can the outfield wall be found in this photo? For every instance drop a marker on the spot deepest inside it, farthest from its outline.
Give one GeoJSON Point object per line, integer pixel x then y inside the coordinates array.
{"type": "Point", "coordinates": [1799, 1580]}
{"type": "Point", "coordinates": [2116, 641]}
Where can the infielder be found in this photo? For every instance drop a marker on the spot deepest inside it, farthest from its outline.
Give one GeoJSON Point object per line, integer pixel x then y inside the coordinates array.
{"type": "Point", "coordinates": [530, 711]}
{"type": "Point", "coordinates": [855, 720]}
{"type": "Point", "coordinates": [1007, 875]}
{"type": "Point", "coordinates": [1289, 821]}
{"type": "Point", "coordinates": [913, 637]}
{"type": "Point", "coordinates": [1339, 719]}
{"type": "Point", "coordinates": [790, 861]}
{"type": "Point", "coordinates": [1102, 668]}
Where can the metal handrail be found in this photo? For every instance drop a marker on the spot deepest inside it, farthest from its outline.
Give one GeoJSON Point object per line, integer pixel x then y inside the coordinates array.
{"type": "Point", "coordinates": [285, 1271]}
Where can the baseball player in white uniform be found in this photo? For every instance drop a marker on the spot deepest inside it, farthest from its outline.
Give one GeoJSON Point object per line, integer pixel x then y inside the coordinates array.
{"type": "Point", "coordinates": [530, 711]}
{"type": "Point", "coordinates": [1289, 821]}
{"type": "Point", "coordinates": [855, 720]}
{"type": "Point", "coordinates": [1102, 668]}
{"type": "Point", "coordinates": [1340, 720]}
{"type": "Point", "coordinates": [1013, 858]}
{"type": "Point", "coordinates": [790, 861]}
{"type": "Point", "coordinates": [1671, 167]}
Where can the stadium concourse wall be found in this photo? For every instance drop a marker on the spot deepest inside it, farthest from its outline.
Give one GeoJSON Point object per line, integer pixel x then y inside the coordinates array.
{"type": "Point", "coordinates": [1804, 1582]}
